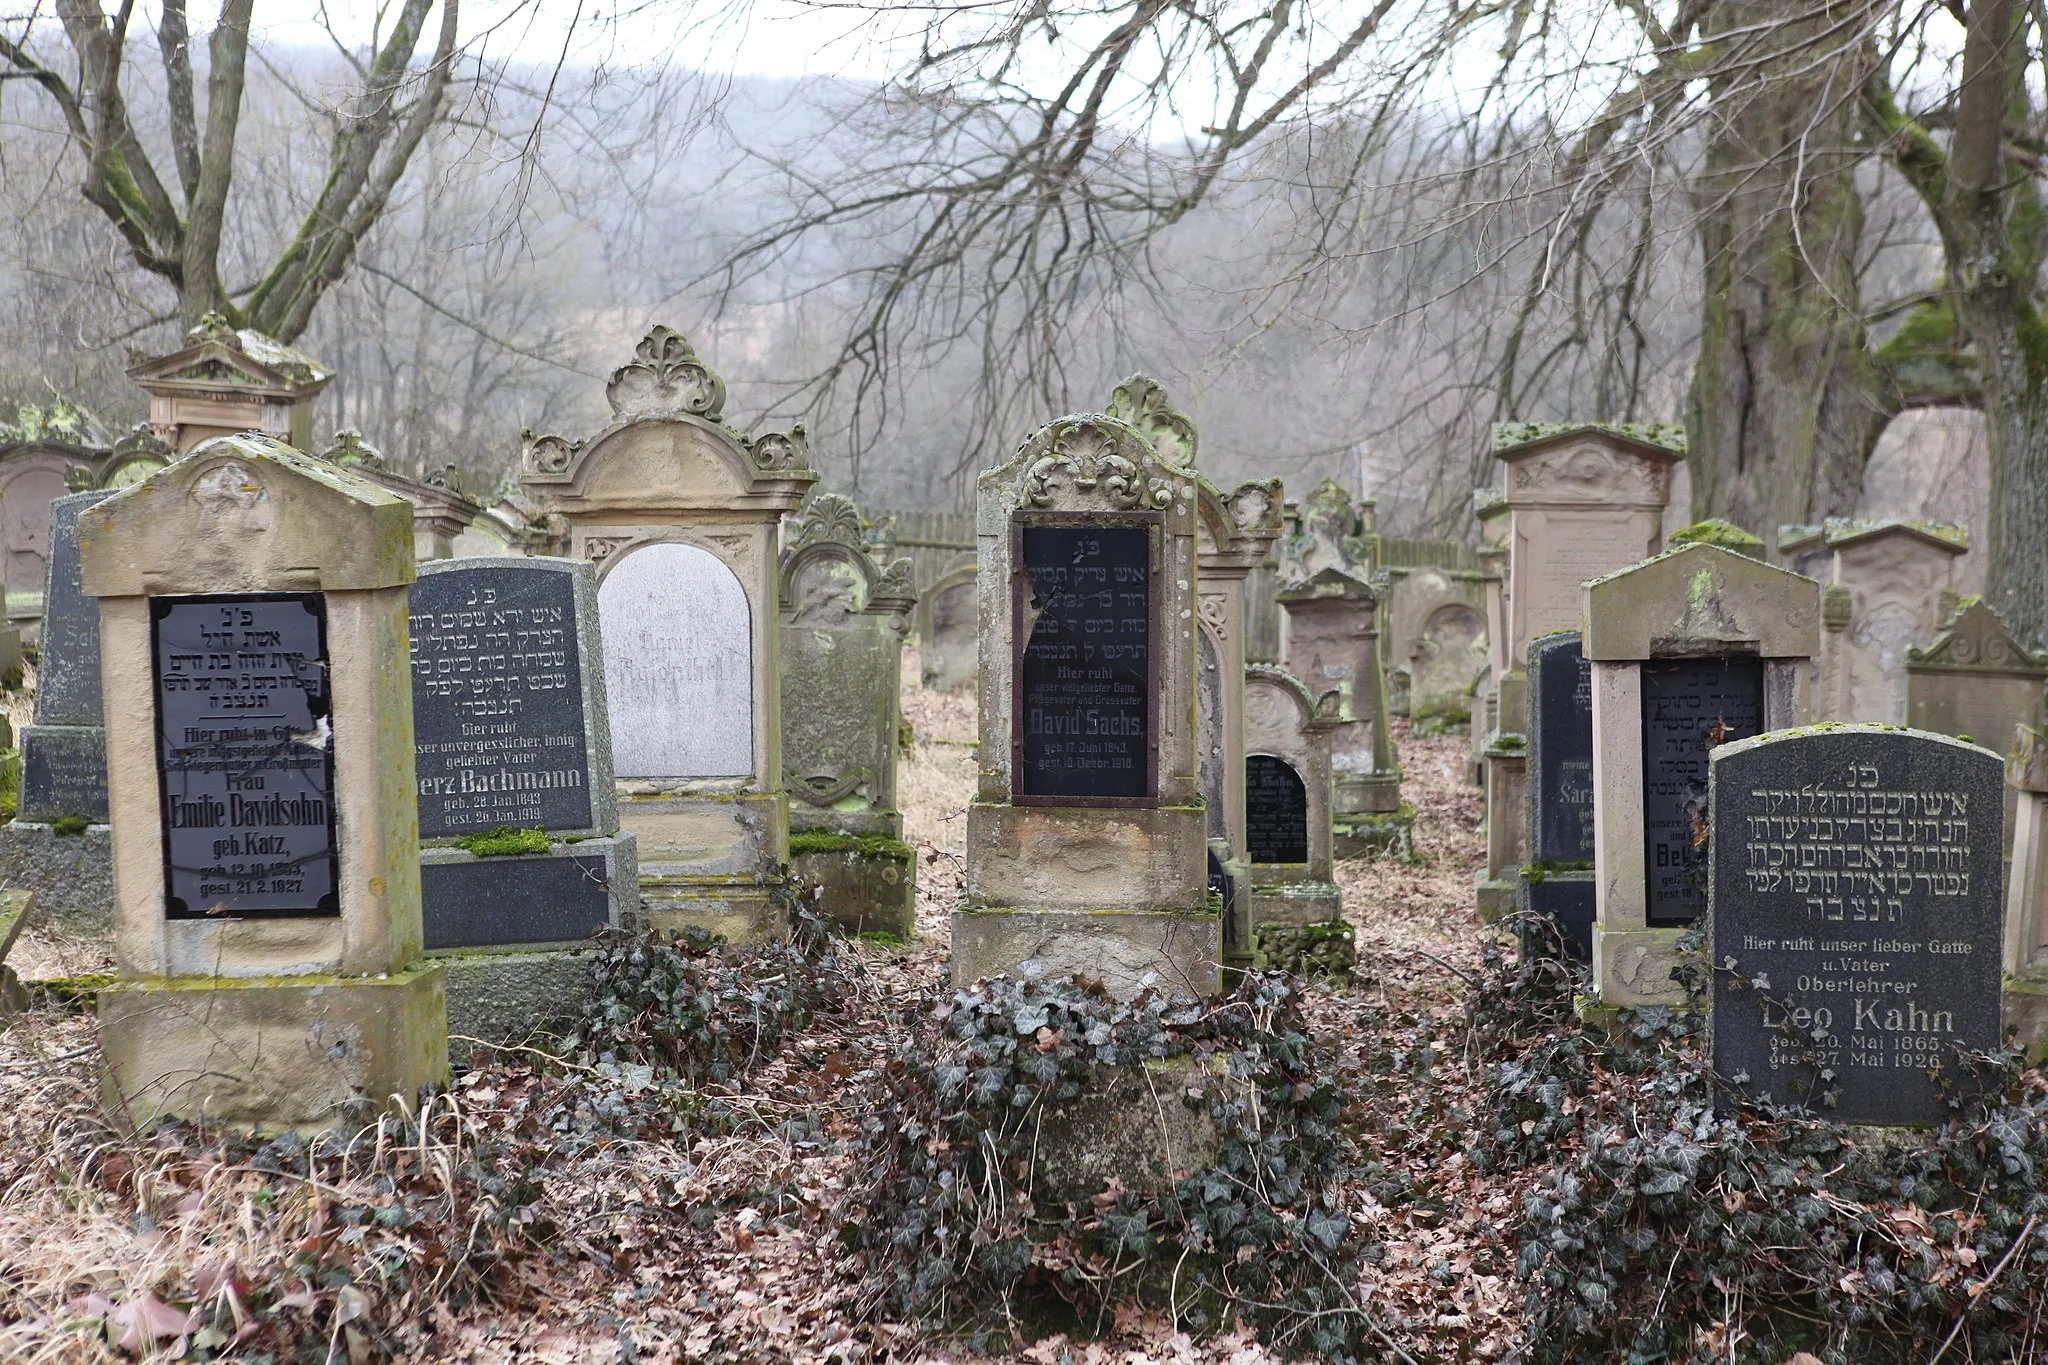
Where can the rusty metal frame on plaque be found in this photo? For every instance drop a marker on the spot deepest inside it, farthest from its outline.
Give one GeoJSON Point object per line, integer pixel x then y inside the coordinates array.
{"type": "Point", "coordinates": [1154, 525]}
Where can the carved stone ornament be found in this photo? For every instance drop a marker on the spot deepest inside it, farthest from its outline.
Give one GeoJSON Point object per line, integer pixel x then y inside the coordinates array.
{"type": "Point", "coordinates": [546, 454]}
{"type": "Point", "coordinates": [1142, 402]}
{"type": "Point", "coordinates": [1082, 453]}
{"type": "Point", "coordinates": [350, 448]}
{"type": "Point", "coordinates": [214, 328]}
{"type": "Point", "coordinates": [1213, 617]}
{"type": "Point", "coordinates": [825, 789]}
{"type": "Point", "coordinates": [597, 549]}
{"type": "Point", "coordinates": [775, 451]}
{"type": "Point", "coordinates": [665, 379]}
{"type": "Point", "coordinates": [1976, 638]}
{"type": "Point", "coordinates": [898, 581]}
{"type": "Point", "coordinates": [1593, 473]}
{"type": "Point", "coordinates": [1256, 507]}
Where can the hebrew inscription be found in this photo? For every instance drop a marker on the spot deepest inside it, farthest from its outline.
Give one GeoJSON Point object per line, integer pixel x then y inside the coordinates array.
{"type": "Point", "coordinates": [1084, 680]}
{"type": "Point", "coordinates": [1690, 707]}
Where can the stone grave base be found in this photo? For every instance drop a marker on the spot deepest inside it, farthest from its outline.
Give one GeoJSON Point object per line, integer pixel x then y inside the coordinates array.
{"type": "Point", "coordinates": [1328, 950]}
{"type": "Point", "coordinates": [688, 832]}
{"type": "Point", "coordinates": [2026, 1014]}
{"type": "Point", "coordinates": [1632, 967]}
{"type": "Point", "coordinates": [1367, 793]}
{"type": "Point", "coordinates": [1131, 1127]}
{"type": "Point", "coordinates": [1497, 897]}
{"type": "Point", "coordinates": [741, 910]}
{"type": "Point", "coordinates": [506, 998]}
{"type": "Point", "coordinates": [1364, 835]}
{"type": "Point", "coordinates": [1567, 899]}
{"type": "Point", "coordinates": [520, 900]}
{"type": "Point", "coordinates": [866, 885]}
{"type": "Point", "coordinates": [1120, 948]}
{"type": "Point", "coordinates": [71, 876]}
{"type": "Point", "coordinates": [333, 1048]}
{"type": "Point", "coordinates": [1295, 901]}
{"type": "Point", "coordinates": [1235, 902]}
{"type": "Point", "coordinates": [1046, 858]}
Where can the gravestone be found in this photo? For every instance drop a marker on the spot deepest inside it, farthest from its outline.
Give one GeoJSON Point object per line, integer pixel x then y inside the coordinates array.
{"type": "Point", "coordinates": [948, 649]}
{"type": "Point", "coordinates": [1297, 911]}
{"type": "Point", "coordinates": [1889, 586]}
{"type": "Point", "coordinates": [681, 514]}
{"type": "Point", "coordinates": [441, 509]}
{"type": "Point", "coordinates": [223, 381]}
{"type": "Point", "coordinates": [1690, 651]}
{"type": "Point", "coordinates": [1332, 645]}
{"type": "Point", "coordinates": [64, 750]}
{"type": "Point", "coordinates": [260, 791]}
{"type": "Point", "coordinates": [510, 733]}
{"type": "Point", "coordinates": [1490, 510]}
{"type": "Point", "coordinates": [1975, 680]}
{"type": "Point", "coordinates": [1582, 500]}
{"type": "Point", "coordinates": [1086, 849]}
{"type": "Point", "coordinates": [844, 619]}
{"type": "Point", "coordinates": [1856, 904]}
{"type": "Point", "coordinates": [1557, 882]}
{"type": "Point", "coordinates": [2026, 902]}
{"type": "Point", "coordinates": [1448, 655]}
{"type": "Point", "coordinates": [33, 474]}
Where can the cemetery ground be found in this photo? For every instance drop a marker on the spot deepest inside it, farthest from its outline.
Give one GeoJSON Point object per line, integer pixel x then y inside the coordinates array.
{"type": "Point", "coordinates": [688, 1179]}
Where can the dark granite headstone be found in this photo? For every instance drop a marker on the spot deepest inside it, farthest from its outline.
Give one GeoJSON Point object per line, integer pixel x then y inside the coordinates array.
{"type": "Point", "coordinates": [1566, 899]}
{"type": "Point", "coordinates": [496, 902]}
{"type": "Point", "coordinates": [68, 664]}
{"type": "Point", "coordinates": [1276, 810]}
{"type": "Point", "coordinates": [1083, 701]}
{"type": "Point", "coordinates": [63, 772]}
{"type": "Point", "coordinates": [502, 723]}
{"type": "Point", "coordinates": [1690, 707]}
{"type": "Point", "coordinates": [1560, 751]}
{"type": "Point", "coordinates": [1857, 918]}
{"type": "Point", "coordinates": [244, 752]}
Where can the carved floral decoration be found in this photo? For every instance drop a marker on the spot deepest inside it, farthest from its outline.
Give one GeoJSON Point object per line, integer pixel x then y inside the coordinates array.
{"type": "Point", "coordinates": [597, 549]}
{"type": "Point", "coordinates": [546, 454]}
{"type": "Point", "coordinates": [665, 379]}
{"type": "Point", "coordinates": [782, 450]}
{"type": "Point", "coordinates": [1142, 402]}
{"type": "Point", "coordinates": [1084, 454]}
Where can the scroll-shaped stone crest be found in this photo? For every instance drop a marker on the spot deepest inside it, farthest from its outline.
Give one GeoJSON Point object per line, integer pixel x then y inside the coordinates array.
{"type": "Point", "coordinates": [1083, 452]}
{"type": "Point", "coordinates": [775, 451]}
{"type": "Point", "coordinates": [1256, 507]}
{"type": "Point", "coordinates": [1976, 637]}
{"type": "Point", "coordinates": [1142, 402]}
{"type": "Point", "coordinates": [546, 454]}
{"type": "Point", "coordinates": [665, 379]}
{"type": "Point", "coordinates": [350, 448]}
{"type": "Point", "coordinates": [828, 517]}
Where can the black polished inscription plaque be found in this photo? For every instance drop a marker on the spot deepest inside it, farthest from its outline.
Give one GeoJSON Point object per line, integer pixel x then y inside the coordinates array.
{"type": "Point", "coordinates": [1275, 810]}
{"type": "Point", "coordinates": [497, 702]}
{"type": "Point", "coordinates": [1690, 708]}
{"type": "Point", "coordinates": [1084, 680]}
{"type": "Point", "coordinates": [1858, 907]}
{"type": "Point", "coordinates": [244, 753]}
{"type": "Point", "coordinates": [1560, 751]}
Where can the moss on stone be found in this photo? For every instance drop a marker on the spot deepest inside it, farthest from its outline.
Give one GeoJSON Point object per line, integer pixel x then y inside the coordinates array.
{"type": "Point", "coordinates": [69, 824]}
{"type": "Point", "coordinates": [1514, 435]}
{"type": "Point", "coordinates": [874, 847]}
{"type": "Point", "coordinates": [10, 784]}
{"type": "Point", "coordinates": [1325, 950]}
{"type": "Point", "coordinates": [1536, 873]}
{"type": "Point", "coordinates": [1716, 531]}
{"type": "Point", "coordinates": [503, 842]}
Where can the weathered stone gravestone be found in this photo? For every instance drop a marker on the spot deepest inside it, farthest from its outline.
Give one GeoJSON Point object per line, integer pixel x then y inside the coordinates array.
{"type": "Point", "coordinates": [57, 846]}
{"type": "Point", "coordinates": [844, 619]}
{"type": "Point", "coordinates": [1557, 882]}
{"type": "Point", "coordinates": [1330, 532]}
{"type": "Point", "coordinates": [1297, 911]}
{"type": "Point", "coordinates": [1490, 510]}
{"type": "Point", "coordinates": [1085, 840]}
{"type": "Point", "coordinates": [1448, 655]}
{"type": "Point", "coordinates": [1690, 650]}
{"type": "Point", "coordinates": [223, 381]}
{"type": "Point", "coordinates": [441, 510]}
{"type": "Point", "coordinates": [33, 474]}
{"type": "Point", "coordinates": [681, 515]}
{"type": "Point", "coordinates": [1856, 905]}
{"type": "Point", "coordinates": [260, 787]}
{"type": "Point", "coordinates": [948, 651]}
{"type": "Point", "coordinates": [1332, 646]}
{"type": "Point", "coordinates": [521, 852]}
{"type": "Point", "coordinates": [1975, 680]}
{"type": "Point", "coordinates": [1889, 587]}
{"type": "Point", "coordinates": [2026, 904]}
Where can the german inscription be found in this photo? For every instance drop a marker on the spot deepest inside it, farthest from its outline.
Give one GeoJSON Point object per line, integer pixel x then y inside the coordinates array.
{"type": "Point", "coordinates": [1084, 696]}
{"type": "Point", "coordinates": [497, 695]}
{"type": "Point", "coordinates": [1276, 810]}
{"type": "Point", "coordinates": [1690, 707]}
{"type": "Point", "coordinates": [1857, 914]}
{"type": "Point", "coordinates": [245, 752]}
{"type": "Point", "coordinates": [1560, 751]}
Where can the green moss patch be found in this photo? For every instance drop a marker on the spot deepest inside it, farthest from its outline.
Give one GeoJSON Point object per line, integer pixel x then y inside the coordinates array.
{"type": "Point", "coordinates": [874, 847]}
{"type": "Point", "coordinates": [10, 784]}
{"type": "Point", "coordinates": [505, 843]}
{"type": "Point", "coordinates": [1715, 531]}
{"type": "Point", "coordinates": [69, 824]}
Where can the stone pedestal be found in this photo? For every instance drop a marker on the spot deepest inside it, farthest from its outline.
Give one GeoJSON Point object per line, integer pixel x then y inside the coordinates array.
{"type": "Point", "coordinates": [260, 792]}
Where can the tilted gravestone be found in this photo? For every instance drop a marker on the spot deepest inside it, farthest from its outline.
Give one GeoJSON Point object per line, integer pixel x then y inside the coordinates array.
{"type": "Point", "coordinates": [64, 751]}
{"type": "Point", "coordinates": [681, 513]}
{"type": "Point", "coordinates": [1557, 883]}
{"type": "Point", "coordinates": [1855, 922]}
{"type": "Point", "coordinates": [1297, 911]}
{"type": "Point", "coordinates": [844, 618]}
{"type": "Point", "coordinates": [1691, 650]}
{"type": "Point", "coordinates": [260, 789]}
{"type": "Point", "coordinates": [1086, 851]}
{"type": "Point", "coordinates": [510, 735]}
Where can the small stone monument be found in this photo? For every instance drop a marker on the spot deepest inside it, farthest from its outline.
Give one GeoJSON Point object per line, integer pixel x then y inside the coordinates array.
{"type": "Point", "coordinates": [1085, 841]}
{"type": "Point", "coordinates": [521, 853]}
{"type": "Point", "coordinates": [1582, 500]}
{"type": "Point", "coordinates": [1690, 650]}
{"type": "Point", "coordinates": [33, 474]}
{"type": "Point", "coordinates": [1297, 911]}
{"type": "Point", "coordinates": [844, 619]}
{"type": "Point", "coordinates": [441, 509]}
{"type": "Point", "coordinates": [1332, 646]}
{"type": "Point", "coordinates": [1889, 585]}
{"type": "Point", "coordinates": [949, 648]}
{"type": "Point", "coordinates": [681, 513]}
{"type": "Point", "coordinates": [1975, 680]}
{"type": "Point", "coordinates": [2026, 903]}
{"type": "Point", "coordinates": [225, 380]}
{"type": "Point", "coordinates": [260, 788]}
{"type": "Point", "coordinates": [1557, 881]}
{"type": "Point", "coordinates": [57, 846]}
{"type": "Point", "coordinates": [1855, 908]}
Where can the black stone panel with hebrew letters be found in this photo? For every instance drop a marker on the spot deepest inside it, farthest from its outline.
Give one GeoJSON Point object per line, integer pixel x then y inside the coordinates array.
{"type": "Point", "coordinates": [245, 755]}
{"type": "Point", "coordinates": [1560, 751]}
{"type": "Point", "coordinates": [1083, 701]}
{"type": "Point", "coordinates": [500, 737]}
{"type": "Point", "coordinates": [1857, 913]}
{"type": "Point", "coordinates": [1690, 707]}
{"type": "Point", "coordinates": [1276, 810]}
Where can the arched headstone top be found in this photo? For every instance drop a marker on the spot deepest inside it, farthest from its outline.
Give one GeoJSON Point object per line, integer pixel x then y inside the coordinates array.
{"type": "Point", "coordinates": [1091, 462]}
{"type": "Point", "coordinates": [219, 521]}
{"type": "Point", "coordinates": [1275, 686]}
{"type": "Point", "coordinates": [829, 531]}
{"type": "Point", "coordinates": [667, 450]}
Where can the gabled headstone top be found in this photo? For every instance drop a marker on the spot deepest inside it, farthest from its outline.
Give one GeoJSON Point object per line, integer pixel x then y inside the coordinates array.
{"type": "Point", "coordinates": [1856, 918]}
{"type": "Point", "coordinates": [1700, 600]}
{"type": "Point", "coordinates": [1587, 464]}
{"type": "Point", "coordinates": [1975, 638]}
